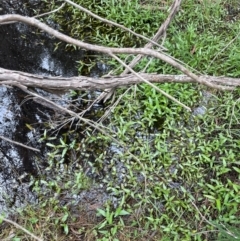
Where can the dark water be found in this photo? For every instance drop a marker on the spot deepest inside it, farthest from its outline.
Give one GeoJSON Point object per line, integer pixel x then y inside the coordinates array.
{"type": "Point", "coordinates": [25, 49]}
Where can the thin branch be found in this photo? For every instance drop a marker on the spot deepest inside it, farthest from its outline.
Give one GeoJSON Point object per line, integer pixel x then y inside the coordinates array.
{"type": "Point", "coordinates": [48, 13]}
{"type": "Point", "coordinates": [38, 16]}
{"type": "Point", "coordinates": [212, 224]}
{"type": "Point", "coordinates": [236, 37]}
{"type": "Point", "coordinates": [58, 83]}
{"type": "Point", "coordinates": [22, 228]}
{"type": "Point", "coordinates": [152, 85]}
{"type": "Point", "coordinates": [202, 216]}
{"type": "Point", "coordinates": [113, 23]}
{"type": "Point", "coordinates": [97, 48]}
{"type": "Point", "coordinates": [19, 144]}
{"type": "Point", "coordinates": [102, 129]}
{"type": "Point", "coordinates": [161, 32]}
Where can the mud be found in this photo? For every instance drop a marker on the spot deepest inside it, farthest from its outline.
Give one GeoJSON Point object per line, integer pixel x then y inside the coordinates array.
{"type": "Point", "coordinates": [24, 48]}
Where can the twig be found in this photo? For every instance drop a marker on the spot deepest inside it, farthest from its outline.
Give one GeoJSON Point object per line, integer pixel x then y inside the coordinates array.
{"type": "Point", "coordinates": [161, 31]}
{"type": "Point", "coordinates": [223, 49]}
{"type": "Point", "coordinates": [90, 123]}
{"type": "Point", "coordinates": [113, 23]}
{"type": "Point", "coordinates": [149, 83]}
{"type": "Point", "coordinates": [22, 228]}
{"type": "Point", "coordinates": [19, 144]}
{"type": "Point", "coordinates": [212, 224]}
{"type": "Point", "coordinates": [203, 217]}
{"type": "Point", "coordinates": [48, 13]}
{"type": "Point", "coordinates": [95, 125]}
{"type": "Point", "coordinates": [112, 107]}
{"type": "Point", "coordinates": [37, 16]}
{"type": "Point", "coordinates": [107, 50]}
{"type": "Point", "coordinates": [58, 83]}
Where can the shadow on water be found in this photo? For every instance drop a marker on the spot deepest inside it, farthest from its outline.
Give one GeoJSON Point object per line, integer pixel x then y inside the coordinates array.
{"type": "Point", "coordinates": [22, 48]}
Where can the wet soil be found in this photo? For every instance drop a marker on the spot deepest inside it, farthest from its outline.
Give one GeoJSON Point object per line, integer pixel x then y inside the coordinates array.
{"type": "Point", "coordinates": [25, 49]}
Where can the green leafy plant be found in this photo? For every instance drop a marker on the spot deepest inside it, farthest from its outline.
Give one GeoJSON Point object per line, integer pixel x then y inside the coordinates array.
{"type": "Point", "coordinates": [112, 222]}
{"type": "Point", "coordinates": [170, 159]}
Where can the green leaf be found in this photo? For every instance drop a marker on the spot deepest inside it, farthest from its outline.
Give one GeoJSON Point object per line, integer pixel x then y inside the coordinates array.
{"type": "Point", "coordinates": [218, 204]}
{"type": "Point", "coordinates": [102, 224]}
{"type": "Point", "coordinates": [123, 213]}
{"type": "Point", "coordinates": [101, 212]}
{"type": "Point", "coordinates": [1, 218]}
{"type": "Point", "coordinates": [50, 145]}
{"type": "Point", "coordinates": [235, 187]}
{"type": "Point", "coordinates": [64, 151]}
{"type": "Point", "coordinates": [104, 231]}
{"type": "Point", "coordinates": [65, 228]}
{"type": "Point", "coordinates": [62, 142]}
{"type": "Point", "coordinates": [210, 197]}
{"type": "Point", "coordinates": [237, 169]}
{"type": "Point", "coordinates": [65, 216]}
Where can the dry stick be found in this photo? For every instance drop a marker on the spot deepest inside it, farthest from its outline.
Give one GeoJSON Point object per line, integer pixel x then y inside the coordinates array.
{"type": "Point", "coordinates": [40, 15]}
{"type": "Point", "coordinates": [59, 83]}
{"type": "Point", "coordinates": [160, 32]}
{"type": "Point", "coordinates": [109, 51]}
{"type": "Point", "coordinates": [151, 42]}
{"type": "Point", "coordinates": [71, 113]}
{"type": "Point", "coordinates": [92, 124]}
{"type": "Point", "coordinates": [22, 228]}
{"type": "Point", "coordinates": [212, 224]}
{"type": "Point", "coordinates": [97, 48]}
{"type": "Point", "coordinates": [202, 216]}
{"type": "Point", "coordinates": [149, 83]}
{"type": "Point", "coordinates": [19, 144]}
{"type": "Point", "coordinates": [113, 23]}
{"type": "Point", "coordinates": [223, 49]}
{"type": "Point", "coordinates": [48, 13]}
{"type": "Point", "coordinates": [111, 108]}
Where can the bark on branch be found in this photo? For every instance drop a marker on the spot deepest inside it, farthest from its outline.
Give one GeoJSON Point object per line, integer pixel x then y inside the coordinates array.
{"type": "Point", "coordinates": [9, 77]}
{"type": "Point", "coordinates": [143, 51]}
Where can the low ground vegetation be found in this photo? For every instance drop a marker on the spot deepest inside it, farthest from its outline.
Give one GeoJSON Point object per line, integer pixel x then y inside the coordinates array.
{"type": "Point", "coordinates": [172, 175]}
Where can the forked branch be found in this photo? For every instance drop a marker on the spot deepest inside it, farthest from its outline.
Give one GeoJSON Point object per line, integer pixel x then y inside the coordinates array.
{"type": "Point", "coordinates": [110, 51]}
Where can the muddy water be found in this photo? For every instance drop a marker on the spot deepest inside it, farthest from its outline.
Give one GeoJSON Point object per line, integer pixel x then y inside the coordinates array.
{"type": "Point", "coordinates": [24, 49]}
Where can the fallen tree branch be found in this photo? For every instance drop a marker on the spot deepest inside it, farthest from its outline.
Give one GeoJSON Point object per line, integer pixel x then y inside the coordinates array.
{"type": "Point", "coordinates": [160, 33]}
{"type": "Point", "coordinates": [19, 144]}
{"type": "Point", "coordinates": [143, 51]}
{"type": "Point", "coordinates": [40, 15]}
{"type": "Point", "coordinates": [9, 77]}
